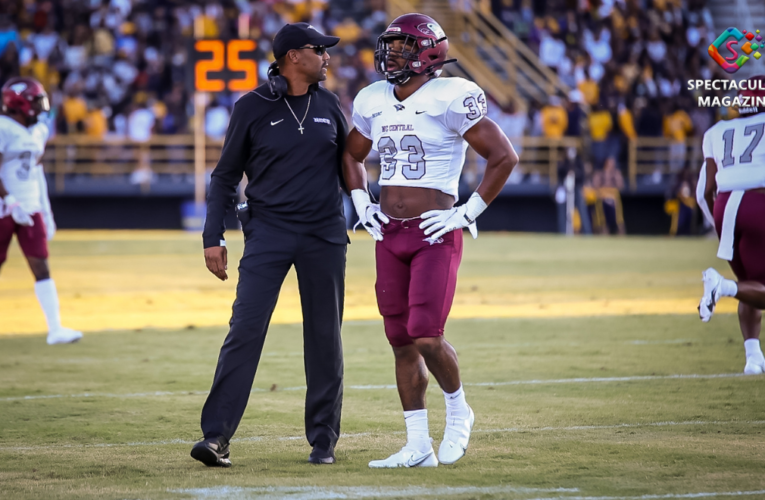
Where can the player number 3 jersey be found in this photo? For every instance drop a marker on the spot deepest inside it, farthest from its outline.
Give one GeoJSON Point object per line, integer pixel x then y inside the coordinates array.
{"type": "Point", "coordinates": [21, 150]}
{"type": "Point", "coordinates": [420, 138]}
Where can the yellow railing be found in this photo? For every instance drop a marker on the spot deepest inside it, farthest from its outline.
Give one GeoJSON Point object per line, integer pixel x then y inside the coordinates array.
{"type": "Point", "coordinates": [84, 155]}
{"type": "Point", "coordinates": [648, 156]}
{"type": "Point", "coordinates": [174, 154]}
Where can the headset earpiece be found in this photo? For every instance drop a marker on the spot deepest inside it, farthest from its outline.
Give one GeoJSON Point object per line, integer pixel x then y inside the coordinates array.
{"type": "Point", "coordinates": [277, 84]}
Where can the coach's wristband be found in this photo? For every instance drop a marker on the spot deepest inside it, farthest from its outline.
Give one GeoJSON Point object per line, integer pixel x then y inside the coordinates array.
{"type": "Point", "coordinates": [474, 207]}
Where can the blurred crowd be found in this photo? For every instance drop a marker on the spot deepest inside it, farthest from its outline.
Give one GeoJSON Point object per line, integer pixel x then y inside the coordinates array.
{"type": "Point", "coordinates": [118, 67]}
{"type": "Point", "coordinates": [627, 63]}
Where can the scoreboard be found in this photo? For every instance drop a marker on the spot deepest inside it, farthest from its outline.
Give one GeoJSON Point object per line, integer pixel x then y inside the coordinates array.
{"type": "Point", "coordinates": [221, 65]}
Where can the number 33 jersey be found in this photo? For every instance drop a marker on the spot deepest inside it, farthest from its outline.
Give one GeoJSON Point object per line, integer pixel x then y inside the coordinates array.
{"type": "Point", "coordinates": [420, 138]}
{"type": "Point", "coordinates": [21, 149]}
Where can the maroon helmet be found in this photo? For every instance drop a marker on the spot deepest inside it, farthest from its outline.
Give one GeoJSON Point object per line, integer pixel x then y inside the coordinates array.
{"type": "Point", "coordinates": [425, 47]}
{"type": "Point", "coordinates": [755, 91]}
{"type": "Point", "coordinates": [25, 96]}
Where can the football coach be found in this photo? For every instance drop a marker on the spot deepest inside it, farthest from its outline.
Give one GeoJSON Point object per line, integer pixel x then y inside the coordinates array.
{"type": "Point", "coordinates": [288, 136]}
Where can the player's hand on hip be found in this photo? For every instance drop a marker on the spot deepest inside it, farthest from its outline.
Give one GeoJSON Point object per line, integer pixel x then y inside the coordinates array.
{"type": "Point", "coordinates": [50, 225]}
{"type": "Point", "coordinates": [17, 212]}
{"type": "Point", "coordinates": [216, 259]}
{"type": "Point", "coordinates": [370, 214]}
{"type": "Point", "coordinates": [437, 223]}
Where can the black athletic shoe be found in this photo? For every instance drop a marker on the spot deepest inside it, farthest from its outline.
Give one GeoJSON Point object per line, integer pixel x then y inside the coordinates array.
{"type": "Point", "coordinates": [212, 452]}
{"type": "Point", "coordinates": [322, 456]}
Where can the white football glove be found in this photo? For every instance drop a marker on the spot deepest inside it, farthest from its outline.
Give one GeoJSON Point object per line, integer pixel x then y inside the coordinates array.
{"type": "Point", "coordinates": [441, 222]}
{"type": "Point", "coordinates": [370, 214]}
{"type": "Point", "coordinates": [14, 209]}
{"type": "Point", "coordinates": [50, 224]}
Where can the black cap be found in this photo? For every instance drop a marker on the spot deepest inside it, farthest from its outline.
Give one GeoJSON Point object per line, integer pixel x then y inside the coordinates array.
{"type": "Point", "coordinates": [294, 36]}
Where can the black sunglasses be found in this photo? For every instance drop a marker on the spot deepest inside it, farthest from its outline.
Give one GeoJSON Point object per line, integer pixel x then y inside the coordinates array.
{"type": "Point", "coordinates": [319, 49]}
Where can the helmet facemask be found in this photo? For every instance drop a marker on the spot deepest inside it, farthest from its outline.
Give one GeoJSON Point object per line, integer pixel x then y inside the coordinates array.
{"type": "Point", "coordinates": [385, 52]}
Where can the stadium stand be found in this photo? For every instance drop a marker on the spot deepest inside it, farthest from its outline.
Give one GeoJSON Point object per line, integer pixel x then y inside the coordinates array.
{"type": "Point", "coordinates": [605, 77]}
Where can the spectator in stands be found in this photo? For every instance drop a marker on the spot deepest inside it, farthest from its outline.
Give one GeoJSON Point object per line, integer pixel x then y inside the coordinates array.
{"type": "Point", "coordinates": [216, 121]}
{"type": "Point", "coordinates": [44, 43]}
{"type": "Point", "coordinates": [74, 110]}
{"type": "Point", "coordinates": [554, 118]}
{"type": "Point", "coordinates": [609, 184]}
{"type": "Point", "coordinates": [601, 124]}
{"type": "Point", "coordinates": [552, 50]}
{"type": "Point", "coordinates": [589, 89]}
{"type": "Point", "coordinates": [681, 206]}
{"type": "Point", "coordinates": [9, 61]}
{"type": "Point", "coordinates": [140, 127]}
{"type": "Point", "coordinates": [76, 53]}
{"type": "Point", "coordinates": [573, 165]}
{"type": "Point", "coordinates": [574, 114]}
{"type": "Point", "coordinates": [8, 34]}
{"type": "Point", "coordinates": [96, 122]}
{"type": "Point", "coordinates": [677, 127]}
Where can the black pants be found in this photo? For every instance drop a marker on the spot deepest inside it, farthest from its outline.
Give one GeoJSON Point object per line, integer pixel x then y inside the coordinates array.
{"type": "Point", "coordinates": [269, 253]}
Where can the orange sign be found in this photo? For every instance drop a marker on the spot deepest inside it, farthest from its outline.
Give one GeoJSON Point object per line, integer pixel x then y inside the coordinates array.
{"type": "Point", "coordinates": [224, 64]}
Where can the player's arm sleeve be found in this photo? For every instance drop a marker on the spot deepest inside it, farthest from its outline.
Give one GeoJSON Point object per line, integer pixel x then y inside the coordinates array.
{"type": "Point", "coordinates": [359, 121]}
{"type": "Point", "coordinates": [466, 110]}
{"type": "Point", "coordinates": [42, 130]}
{"type": "Point", "coordinates": [44, 199]}
{"type": "Point", "coordinates": [227, 174]}
{"type": "Point", "coordinates": [706, 145]}
{"type": "Point", "coordinates": [5, 141]}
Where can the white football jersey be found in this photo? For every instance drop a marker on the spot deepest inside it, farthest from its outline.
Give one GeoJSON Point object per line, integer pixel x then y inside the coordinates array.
{"type": "Point", "coordinates": [22, 149]}
{"type": "Point", "coordinates": [736, 143]}
{"type": "Point", "coordinates": [420, 138]}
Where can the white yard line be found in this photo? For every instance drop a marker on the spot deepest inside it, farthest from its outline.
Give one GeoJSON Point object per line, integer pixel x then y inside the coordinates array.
{"type": "Point", "coordinates": [364, 434]}
{"type": "Point", "coordinates": [703, 494]}
{"type": "Point", "coordinates": [387, 386]}
{"type": "Point", "coordinates": [342, 492]}
{"type": "Point", "coordinates": [609, 379]}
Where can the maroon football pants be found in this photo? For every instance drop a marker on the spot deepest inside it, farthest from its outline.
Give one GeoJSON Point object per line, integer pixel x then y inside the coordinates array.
{"type": "Point", "coordinates": [416, 281]}
{"type": "Point", "coordinates": [748, 262]}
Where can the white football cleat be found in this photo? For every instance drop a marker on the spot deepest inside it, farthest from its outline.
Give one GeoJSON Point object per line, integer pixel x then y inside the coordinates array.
{"type": "Point", "coordinates": [755, 365]}
{"type": "Point", "coordinates": [407, 457]}
{"type": "Point", "coordinates": [456, 438]}
{"type": "Point", "coordinates": [63, 336]}
{"type": "Point", "coordinates": [712, 292]}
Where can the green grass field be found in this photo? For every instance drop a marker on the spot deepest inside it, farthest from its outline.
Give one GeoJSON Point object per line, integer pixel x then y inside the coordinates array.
{"type": "Point", "coordinates": [604, 405]}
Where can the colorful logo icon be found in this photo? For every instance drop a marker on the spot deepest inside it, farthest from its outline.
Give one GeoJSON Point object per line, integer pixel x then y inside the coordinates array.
{"type": "Point", "coordinates": [752, 43]}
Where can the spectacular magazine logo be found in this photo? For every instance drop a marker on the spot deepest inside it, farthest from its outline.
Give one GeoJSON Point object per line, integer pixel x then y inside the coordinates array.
{"type": "Point", "coordinates": [752, 43]}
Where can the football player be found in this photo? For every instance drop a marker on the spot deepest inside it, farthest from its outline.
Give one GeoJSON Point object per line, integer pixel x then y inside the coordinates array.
{"type": "Point", "coordinates": [24, 205]}
{"type": "Point", "coordinates": [422, 125]}
{"type": "Point", "coordinates": [734, 191]}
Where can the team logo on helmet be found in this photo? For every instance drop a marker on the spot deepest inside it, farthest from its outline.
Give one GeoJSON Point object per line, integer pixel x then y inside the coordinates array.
{"type": "Point", "coordinates": [18, 87]}
{"type": "Point", "coordinates": [432, 29]}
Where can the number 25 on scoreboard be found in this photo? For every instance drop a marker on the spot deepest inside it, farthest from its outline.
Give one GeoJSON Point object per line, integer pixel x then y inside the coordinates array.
{"type": "Point", "coordinates": [227, 62]}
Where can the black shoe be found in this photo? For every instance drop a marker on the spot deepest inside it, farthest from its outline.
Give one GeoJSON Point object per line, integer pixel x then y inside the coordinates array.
{"type": "Point", "coordinates": [322, 456]}
{"type": "Point", "coordinates": [213, 452]}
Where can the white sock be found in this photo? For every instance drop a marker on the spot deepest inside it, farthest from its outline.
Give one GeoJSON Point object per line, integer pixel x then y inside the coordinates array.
{"type": "Point", "coordinates": [417, 435]}
{"type": "Point", "coordinates": [48, 298]}
{"type": "Point", "coordinates": [456, 406]}
{"type": "Point", "coordinates": [752, 348]}
{"type": "Point", "coordinates": [729, 288]}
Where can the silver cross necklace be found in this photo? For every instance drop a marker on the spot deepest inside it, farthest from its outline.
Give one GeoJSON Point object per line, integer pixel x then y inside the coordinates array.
{"type": "Point", "coordinates": [299, 122]}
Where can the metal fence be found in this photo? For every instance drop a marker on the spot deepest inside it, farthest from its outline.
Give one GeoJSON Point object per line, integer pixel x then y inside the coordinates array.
{"type": "Point", "coordinates": [83, 157]}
